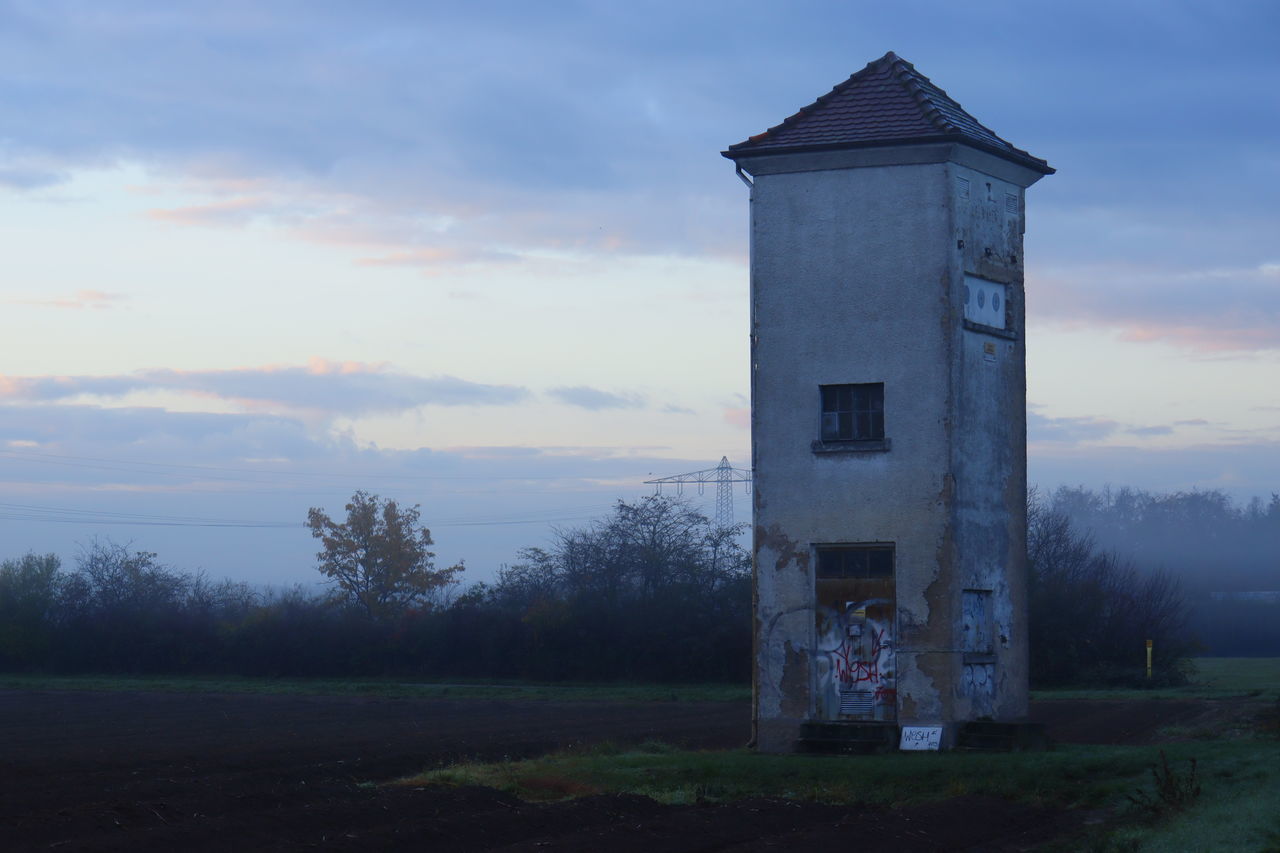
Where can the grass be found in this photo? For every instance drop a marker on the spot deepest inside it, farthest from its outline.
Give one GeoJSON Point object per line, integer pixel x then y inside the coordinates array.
{"type": "Point", "coordinates": [1076, 776]}
{"type": "Point", "coordinates": [460, 689]}
{"type": "Point", "coordinates": [1238, 771]}
{"type": "Point", "coordinates": [1242, 676]}
{"type": "Point", "coordinates": [1214, 678]}
{"type": "Point", "coordinates": [1238, 810]}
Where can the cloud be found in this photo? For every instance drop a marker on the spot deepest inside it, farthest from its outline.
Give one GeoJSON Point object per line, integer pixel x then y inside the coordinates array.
{"type": "Point", "coordinates": [270, 468]}
{"type": "Point", "coordinates": [596, 127]}
{"type": "Point", "coordinates": [586, 397]}
{"type": "Point", "coordinates": [349, 388]}
{"type": "Point", "coordinates": [1207, 310]}
{"type": "Point", "coordinates": [81, 449]}
{"type": "Point", "coordinates": [1150, 430]}
{"type": "Point", "coordinates": [673, 409]}
{"type": "Point", "coordinates": [1243, 470]}
{"type": "Point", "coordinates": [1066, 431]}
{"type": "Point", "coordinates": [95, 299]}
{"type": "Point", "coordinates": [436, 257]}
{"type": "Point", "coordinates": [738, 416]}
{"type": "Point", "coordinates": [230, 212]}
{"type": "Point", "coordinates": [1069, 430]}
{"type": "Point", "coordinates": [30, 179]}
{"type": "Point", "coordinates": [145, 445]}
{"type": "Point", "coordinates": [333, 114]}
{"type": "Point", "coordinates": [150, 433]}
{"type": "Point", "coordinates": [95, 468]}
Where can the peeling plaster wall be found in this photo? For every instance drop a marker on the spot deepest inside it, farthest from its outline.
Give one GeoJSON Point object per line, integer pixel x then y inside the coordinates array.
{"type": "Point", "coordinates": [848, 274]}
{"type": "Point", "coordinates": [858, 262]}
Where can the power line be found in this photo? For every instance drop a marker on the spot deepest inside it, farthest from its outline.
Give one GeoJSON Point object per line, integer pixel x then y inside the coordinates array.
{"type": "Point", "coordinates": [723, 475]}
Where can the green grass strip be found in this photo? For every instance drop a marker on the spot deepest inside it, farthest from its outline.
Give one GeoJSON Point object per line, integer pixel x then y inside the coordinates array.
{"type": "Point", "coordinates": [1238, 809]}
{"type": "Point", "coordinates": [1214, 678]}
{"type": "Point", "coordinates": [1071, 775]}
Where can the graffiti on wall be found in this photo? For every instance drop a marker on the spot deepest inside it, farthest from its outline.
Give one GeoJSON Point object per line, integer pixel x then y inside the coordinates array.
{"type": "Point", "coordinates": [855, 662]}
{"type": "Point", "coordinates": [978, 680]}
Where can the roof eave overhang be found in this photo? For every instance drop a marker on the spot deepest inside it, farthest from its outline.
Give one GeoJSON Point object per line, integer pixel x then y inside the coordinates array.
{"type": "Point", "coordinates": [745, 150]}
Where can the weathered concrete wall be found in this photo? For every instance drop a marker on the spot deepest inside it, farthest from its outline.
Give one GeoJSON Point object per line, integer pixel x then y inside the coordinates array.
{"type": "Point", "coordinates": [849, 280]}
{"type": "Point", "coordinates": [989, 446]}
{"type": "Point", "coordinates": [858, 275]}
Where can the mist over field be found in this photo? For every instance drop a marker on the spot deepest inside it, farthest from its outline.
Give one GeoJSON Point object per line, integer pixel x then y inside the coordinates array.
{"type": "Point", "coordinates": [1225, 555]}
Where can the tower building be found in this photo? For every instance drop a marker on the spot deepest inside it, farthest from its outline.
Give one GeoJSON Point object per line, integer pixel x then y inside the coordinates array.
{"type": "Point", "coordinates": [888, 413]}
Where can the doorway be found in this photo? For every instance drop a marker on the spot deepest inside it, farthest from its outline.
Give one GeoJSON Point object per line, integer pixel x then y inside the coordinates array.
{"type": "Point", "coordinates": [854, 632]}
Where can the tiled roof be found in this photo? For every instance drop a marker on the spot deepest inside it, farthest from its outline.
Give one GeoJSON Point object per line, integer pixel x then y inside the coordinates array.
{"type": "Point", "coordinates": [889, 102]}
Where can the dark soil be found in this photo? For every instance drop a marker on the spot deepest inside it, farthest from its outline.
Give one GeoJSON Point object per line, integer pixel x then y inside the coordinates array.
{"type": "Point", "coordinates": [161, 771]}
{"type": "Point", "coordinates": [1140, 721]}
{"type": "Point", "coordinates": [1107, 721]}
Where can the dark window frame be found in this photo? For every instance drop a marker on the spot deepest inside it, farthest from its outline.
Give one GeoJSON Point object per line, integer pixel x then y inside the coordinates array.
{"type": "Point", "coordinates": [856, 561]}
{"type": "Point", "coordinates": [851, 413]}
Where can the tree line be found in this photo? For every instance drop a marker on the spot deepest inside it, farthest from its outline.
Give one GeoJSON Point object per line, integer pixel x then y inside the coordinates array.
{"type": "Point", "coordinates": [1091, 612]}
{"type": "Point", "coordinates": [1224, 557]}
{"type": "Point", "coordinates": [653, 591]}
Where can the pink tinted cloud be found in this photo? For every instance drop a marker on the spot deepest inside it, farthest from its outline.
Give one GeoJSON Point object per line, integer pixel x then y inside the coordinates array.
{"type": "Point", "coordinates": [444, 227]}
{"type": "Point", "coordinates": [1245, 337]}
{"type": "Point", "coordinates": [395, 239]}
{"type": "Point", "coordinates": [232, 212]}
{"type": "Point", "coordinates": [318, 366]}
{"type": "Point", "coordinates": [97, 300]}
{"type": "Point", "coordinates": [1208, 310]}
{"type": "Point", "coordinates": [739, 417]}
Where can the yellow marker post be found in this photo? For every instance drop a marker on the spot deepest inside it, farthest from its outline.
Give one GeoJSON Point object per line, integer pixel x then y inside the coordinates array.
{"type": "Point", "coordinates": [1148, 658]}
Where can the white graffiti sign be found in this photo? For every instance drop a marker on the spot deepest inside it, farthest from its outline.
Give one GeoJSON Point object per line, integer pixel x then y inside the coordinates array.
{"type": "Point", "coordinates": [921, 738]}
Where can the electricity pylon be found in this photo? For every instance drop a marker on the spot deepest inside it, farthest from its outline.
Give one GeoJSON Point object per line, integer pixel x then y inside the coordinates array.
{"type": "Point", "coordinates": [723, 475]}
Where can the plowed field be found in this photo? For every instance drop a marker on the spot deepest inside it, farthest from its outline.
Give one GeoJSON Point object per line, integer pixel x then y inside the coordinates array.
{"type": "Point", "coordinates": [163, 771]}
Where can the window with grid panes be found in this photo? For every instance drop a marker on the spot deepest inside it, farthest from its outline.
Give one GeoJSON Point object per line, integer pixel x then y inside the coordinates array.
{"type": "Point", "coordinates": [855, 561]}
{"type": "Point", "coordinates": [853, 412]}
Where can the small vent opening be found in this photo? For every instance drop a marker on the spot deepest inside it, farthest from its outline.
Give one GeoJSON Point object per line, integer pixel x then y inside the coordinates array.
{"type": "Point", "coordinates": [857, 703]}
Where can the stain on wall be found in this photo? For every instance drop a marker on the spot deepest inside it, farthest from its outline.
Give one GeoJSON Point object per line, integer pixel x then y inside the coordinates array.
{"type": "Point", "coordinates": [795, 682]}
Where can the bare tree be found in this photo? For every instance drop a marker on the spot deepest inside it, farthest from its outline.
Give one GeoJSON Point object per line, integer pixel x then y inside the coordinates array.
{"type": "Point", "coordinates": [1092, 612]}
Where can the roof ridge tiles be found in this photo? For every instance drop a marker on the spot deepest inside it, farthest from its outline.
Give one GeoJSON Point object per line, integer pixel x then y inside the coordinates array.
{"type": "Point", "coordinates": [907, 76]}
{"type": "Point", "coordinates": [868, 109]}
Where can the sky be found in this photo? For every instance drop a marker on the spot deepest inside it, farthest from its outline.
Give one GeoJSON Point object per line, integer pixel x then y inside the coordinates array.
{"type": "Point", "coordinates": [486, 257]}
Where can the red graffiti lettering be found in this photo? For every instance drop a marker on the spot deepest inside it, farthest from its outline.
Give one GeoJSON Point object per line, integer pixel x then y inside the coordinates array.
{"type": "Point", "coordinates": [850, 670]}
